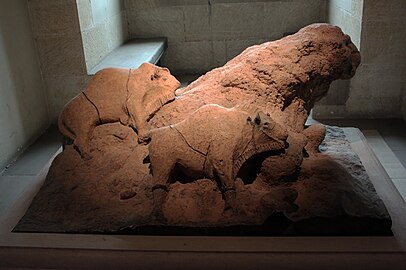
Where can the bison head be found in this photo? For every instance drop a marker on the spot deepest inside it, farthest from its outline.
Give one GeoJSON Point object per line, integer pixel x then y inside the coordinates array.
{"type": "Point", "coordinates": [268, 135]}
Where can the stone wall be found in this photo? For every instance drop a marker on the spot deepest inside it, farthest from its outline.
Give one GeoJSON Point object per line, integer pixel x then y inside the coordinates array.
{"type": "Point", "coordinates": [72, 36]}
{"type": "Point", "coordinates": [204, 34]}
{"type": "Point", "coordinates": [103, 25]}
{"type": "Point", "coordinates": [347, 14]}
{"type": "Point", "coordinates": [59, 43]}
{"type": "Point", "coordinates": [404, 101]}
{"type": "Point", "coordinates": [23, 106]}
{"type": "Point", "coordinates": [378, 88]}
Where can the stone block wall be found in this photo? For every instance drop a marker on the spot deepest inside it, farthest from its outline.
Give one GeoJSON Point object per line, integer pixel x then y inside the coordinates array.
{"type": "Point", "coordinates": [378, 88]}
{"type": "Point", "coordinates": [73, 35]}
{"type": "Point", "coordinates": [404, 101]}
{"type": "Point", "coordinates": [347, 14]}
{"type": "Point", "coordinates": [204, 34]}
{"type": "Point", "coordinates": [58, 40]}
{"type": "Point", "coordinates": [103, 25]}
{"type": "Point", "coordinates": [23, 102]}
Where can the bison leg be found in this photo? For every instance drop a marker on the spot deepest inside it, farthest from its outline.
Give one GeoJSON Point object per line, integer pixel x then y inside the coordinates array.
{"type": "Point", "coordinates": [315, 135]}
{"type": "Point", "coordinates": [163, 158]}
{"type": "Point", "coordinates": [142, 132]}
{"type": "Point", "coordinates": [162, 165]}
{"type": "Point", "coordinates": [159, 197]}
{"type": "Point", "coordinates": [161, 170]}
{"type": "Point", "coordinates": [224, 171]}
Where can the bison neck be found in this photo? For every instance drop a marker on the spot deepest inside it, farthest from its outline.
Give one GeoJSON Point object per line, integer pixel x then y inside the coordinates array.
{"type": "Point", "coordinates": [254, 150]}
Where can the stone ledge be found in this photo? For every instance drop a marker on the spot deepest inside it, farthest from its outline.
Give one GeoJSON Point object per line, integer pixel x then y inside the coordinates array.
{"type": "Point", "coordinates": [132, 54]}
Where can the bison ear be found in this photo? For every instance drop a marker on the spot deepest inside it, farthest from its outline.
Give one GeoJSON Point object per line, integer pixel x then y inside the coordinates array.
{"type": "Point", "coordinates": [258, 119]}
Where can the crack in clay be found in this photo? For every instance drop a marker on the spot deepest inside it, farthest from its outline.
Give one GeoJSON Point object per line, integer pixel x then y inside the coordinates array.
{"type": "Point", "coordinates": [247, 145]}
{"type": "Point", "coordinates": [205, 162]}
{"type": "Point", "coordinates": [128, 98]}
{"type": "Point", "coordinates": [94, 105]}
{"type": "Point", "coordinates": [153, 108]}
{"type": "Point", "coordinates": [255, 149]}
{"type": "Point", "coordinates": [184, 139]}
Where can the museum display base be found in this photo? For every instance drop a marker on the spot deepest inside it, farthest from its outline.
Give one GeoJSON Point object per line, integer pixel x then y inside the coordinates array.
{"type": "Point", "coordinates": [67, 251]}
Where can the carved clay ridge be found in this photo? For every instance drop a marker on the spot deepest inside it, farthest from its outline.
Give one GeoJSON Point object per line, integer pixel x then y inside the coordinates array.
{"type": "Point", "coordinates": [256, 149]}
{"type": "Point", "coordinates": [152, 108]}
{"type": "Point", "coordinates": [243, 157]}
{"type": "Point", "coordinates": [185, 140]}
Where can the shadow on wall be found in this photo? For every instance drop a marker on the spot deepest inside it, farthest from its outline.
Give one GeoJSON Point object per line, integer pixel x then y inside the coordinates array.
{"type": "Point", "coordinates": [23, 107]}
{"type": "Point", "coordinates": [338, 93]}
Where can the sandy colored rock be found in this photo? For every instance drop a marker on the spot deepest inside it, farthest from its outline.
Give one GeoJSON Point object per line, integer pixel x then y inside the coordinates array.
{"type": "Point", "coordinates": [233, 139]}
{"type": "Point", "coordinates": [283, 78]}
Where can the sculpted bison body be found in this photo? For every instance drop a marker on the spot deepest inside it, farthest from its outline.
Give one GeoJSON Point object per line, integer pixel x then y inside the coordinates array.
{"type": "Point", "coordinates": [213, 142]}
{"type": "Point", "coordinates": [128, 96]}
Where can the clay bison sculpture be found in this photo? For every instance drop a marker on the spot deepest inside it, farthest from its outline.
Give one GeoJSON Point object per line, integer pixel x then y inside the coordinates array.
{"type": "Point", "coordinates": [128, 96]}
{"type": "Point", "coordinates": [213, 142]}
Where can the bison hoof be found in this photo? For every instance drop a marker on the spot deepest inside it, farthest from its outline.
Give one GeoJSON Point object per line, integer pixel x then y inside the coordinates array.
{"type": "Point", "coordinates": [230, 200]}
{"type": "Point", "coordinates": [143, 138]}
{"type": "Point", "coordinates": [159, 197]}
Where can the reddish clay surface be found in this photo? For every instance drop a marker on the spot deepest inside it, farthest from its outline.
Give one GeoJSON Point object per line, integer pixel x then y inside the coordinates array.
{"type": "Point", "coordinates": [231, 149]}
